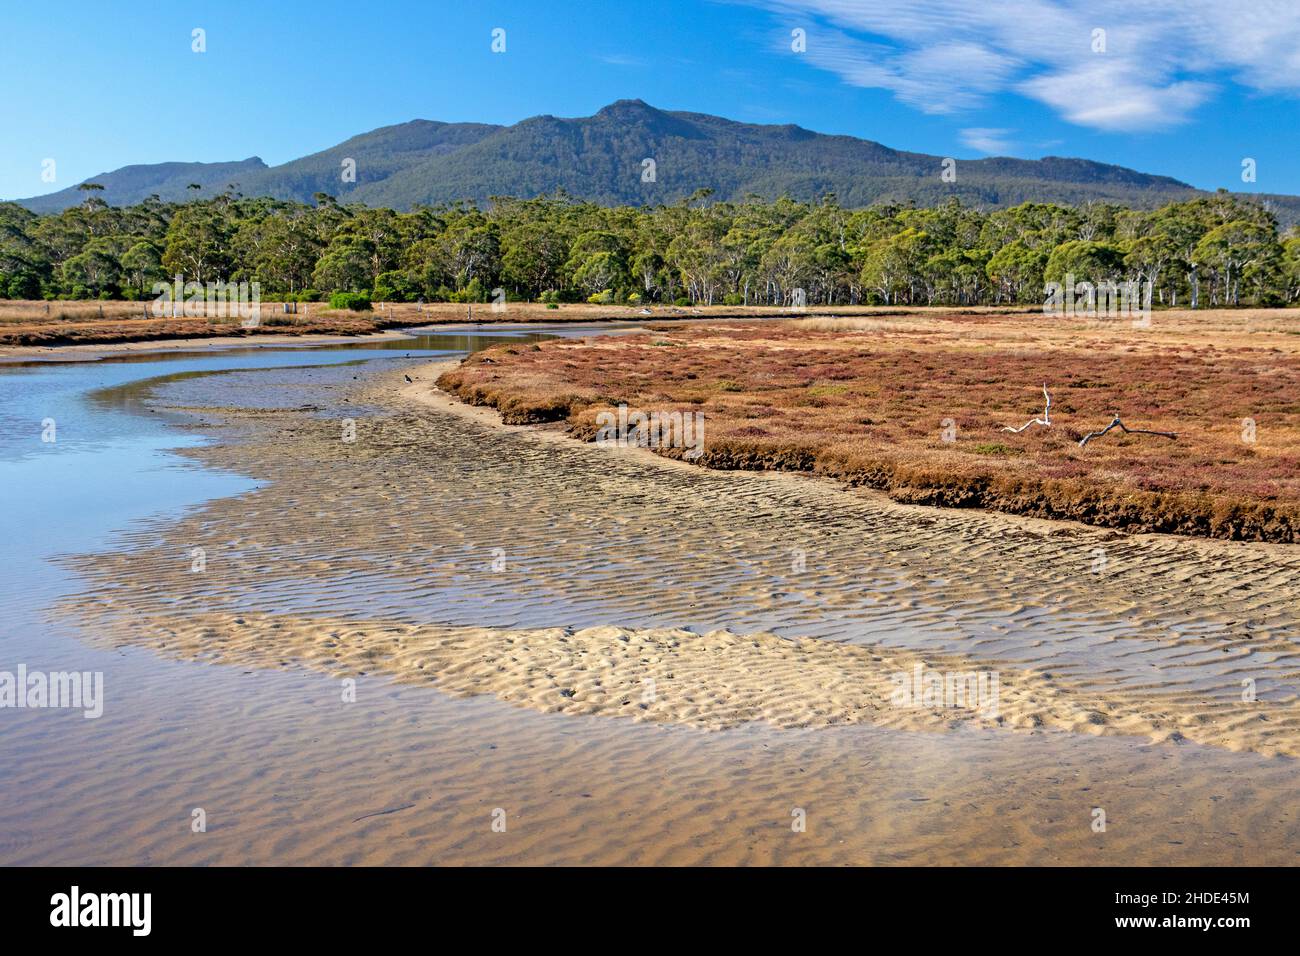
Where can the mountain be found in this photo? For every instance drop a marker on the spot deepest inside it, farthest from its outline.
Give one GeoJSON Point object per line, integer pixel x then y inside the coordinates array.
{"type": "Point", "coordinates": [131, 184]}
{"type": "Point", "coordinates": [601, 158]}
{"type": "Point", "coordinates": [379, 154]}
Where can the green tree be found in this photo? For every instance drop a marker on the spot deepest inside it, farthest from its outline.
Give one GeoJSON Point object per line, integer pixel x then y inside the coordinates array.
{"type": "Point", "coordinates": [198, 244]}
{"type": "Point", "coordinates": [142, 266]}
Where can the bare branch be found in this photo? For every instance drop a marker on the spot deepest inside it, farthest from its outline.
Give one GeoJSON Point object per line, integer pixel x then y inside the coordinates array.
{"type": "Point", "coordinates": [1124, 428]}
{"type": "Point", "coordinates": [1045, 421]}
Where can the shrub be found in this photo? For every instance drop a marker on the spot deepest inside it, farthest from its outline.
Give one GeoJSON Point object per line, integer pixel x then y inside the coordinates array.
{"type": "Point", "coordinates": [354, 301]}
{"type": "Point", "coordinates": [23, 285]}
{"type": "Point", "coordinates": [394, 286]}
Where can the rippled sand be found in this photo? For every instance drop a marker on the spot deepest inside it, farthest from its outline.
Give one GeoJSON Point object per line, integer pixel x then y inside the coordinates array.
{"type": "Point", "coordinates": [538, 574]}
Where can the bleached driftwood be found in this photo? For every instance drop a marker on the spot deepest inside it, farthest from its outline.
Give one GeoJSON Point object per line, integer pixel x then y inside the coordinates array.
{"type": "Point", "coordinates": [1124, 428]}
{"type": "Point", "coordinates": [1045, 421]}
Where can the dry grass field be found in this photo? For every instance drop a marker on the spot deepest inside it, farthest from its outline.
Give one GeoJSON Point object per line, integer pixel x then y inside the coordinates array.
{"type": "Point", "coordinates": [917, 405]}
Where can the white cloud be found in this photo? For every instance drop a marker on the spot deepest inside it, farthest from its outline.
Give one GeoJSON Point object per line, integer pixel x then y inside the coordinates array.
{"type": "Point", "coordinates": [1162, 58]}
{"type": "Point", "coordinates": [620, 59]}
{"type": "Point", "coordinates": [1114, 99]}
{"type": "Point", "coordinates": [992, 142]}
{"type": "Point", "coordinates": [923, 78]}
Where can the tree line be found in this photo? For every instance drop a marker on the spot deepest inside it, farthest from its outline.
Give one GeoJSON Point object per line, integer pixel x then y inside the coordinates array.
{"type": "Point", "coordinates": [1217, 250]}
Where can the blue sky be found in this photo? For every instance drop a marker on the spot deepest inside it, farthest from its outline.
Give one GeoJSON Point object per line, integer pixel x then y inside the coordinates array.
{"type": "Point", "coordinates": [1187, 89]}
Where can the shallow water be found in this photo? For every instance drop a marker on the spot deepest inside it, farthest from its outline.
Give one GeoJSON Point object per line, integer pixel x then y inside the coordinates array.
{"type": "Point", "coordinates": [288, 772]}
{"type": "Point", "coordinates": [110, 459]}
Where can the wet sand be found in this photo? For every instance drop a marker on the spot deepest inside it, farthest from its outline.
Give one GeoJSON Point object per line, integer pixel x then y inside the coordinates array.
{"type": "Point", "coordinates": [530, 586]}
{"type": "Point", "coordinates": [289, 775]}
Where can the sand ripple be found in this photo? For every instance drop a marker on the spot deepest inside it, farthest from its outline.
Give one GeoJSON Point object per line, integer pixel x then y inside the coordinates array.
{"type": "Point", "coordinates": [521, 563]}
{"type": "Point", "coordinates": [710, 681]}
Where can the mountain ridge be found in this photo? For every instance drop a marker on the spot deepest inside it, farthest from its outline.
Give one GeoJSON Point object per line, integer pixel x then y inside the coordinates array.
{"type": "Point", "coordinates": [602, 158]}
